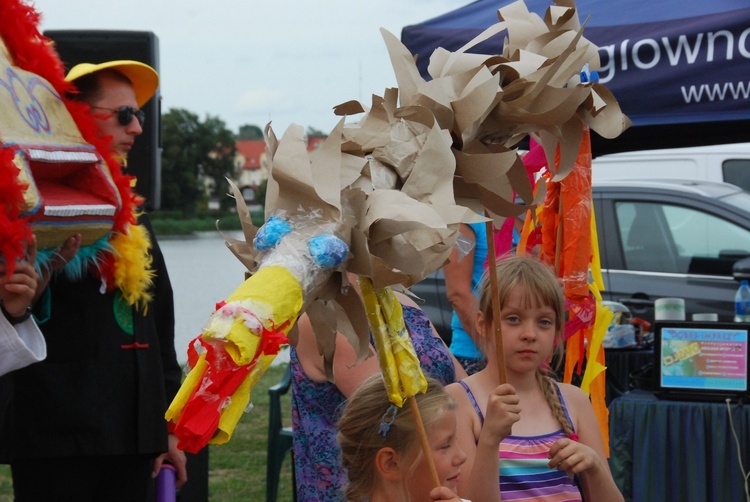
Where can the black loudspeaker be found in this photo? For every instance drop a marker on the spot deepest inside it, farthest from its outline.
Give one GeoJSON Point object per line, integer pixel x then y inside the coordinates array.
{"type": "Point", "coordinates": [97, 46]}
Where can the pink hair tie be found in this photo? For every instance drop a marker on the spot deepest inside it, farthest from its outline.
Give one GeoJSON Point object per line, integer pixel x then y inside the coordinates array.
{"type": "Point", "coordinates": [573, 436]}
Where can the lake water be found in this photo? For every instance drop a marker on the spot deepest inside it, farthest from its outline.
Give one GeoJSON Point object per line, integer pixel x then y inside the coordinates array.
{"type": "Point", "coordinates": [202, 271]}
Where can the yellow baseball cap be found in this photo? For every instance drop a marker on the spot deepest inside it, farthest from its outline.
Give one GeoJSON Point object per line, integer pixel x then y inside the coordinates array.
{"type": "Point", "coordinates": [145, 80]}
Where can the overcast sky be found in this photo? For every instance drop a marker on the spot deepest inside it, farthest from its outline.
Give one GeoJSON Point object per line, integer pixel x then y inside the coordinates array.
{"type": "Point", "coordinates": [250, 62]}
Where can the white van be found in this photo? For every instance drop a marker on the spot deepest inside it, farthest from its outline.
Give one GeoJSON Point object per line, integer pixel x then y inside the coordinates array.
{"type": "Point", "coordinates": [728, 163]}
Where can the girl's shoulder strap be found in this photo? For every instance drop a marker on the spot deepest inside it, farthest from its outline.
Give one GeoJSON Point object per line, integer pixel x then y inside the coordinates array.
{"type": "Point", "coordinates": [562, 402]}
{"type": "Point", "coordinates": [473, 401]}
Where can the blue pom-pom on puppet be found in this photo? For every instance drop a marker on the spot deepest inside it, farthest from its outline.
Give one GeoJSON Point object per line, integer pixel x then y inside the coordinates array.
{"type": "Point", "coordinates": [327, 250]}
{"type": "Point", "coordinates": [271, 233]}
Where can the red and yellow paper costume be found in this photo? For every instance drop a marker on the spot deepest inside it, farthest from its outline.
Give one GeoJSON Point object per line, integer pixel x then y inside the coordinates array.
{"type": "Point", "coordinates": [239, 345]}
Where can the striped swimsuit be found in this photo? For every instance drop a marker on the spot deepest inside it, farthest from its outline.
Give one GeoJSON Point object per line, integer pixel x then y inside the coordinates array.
{"type": "Point", "coordinates": [524, 474]}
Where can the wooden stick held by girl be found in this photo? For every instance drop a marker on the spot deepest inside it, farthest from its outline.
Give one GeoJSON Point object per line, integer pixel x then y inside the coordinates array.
{"type": "Point", "coordinates": [380, 447]}
{"type": "Point", "coordinates": [548, 439]}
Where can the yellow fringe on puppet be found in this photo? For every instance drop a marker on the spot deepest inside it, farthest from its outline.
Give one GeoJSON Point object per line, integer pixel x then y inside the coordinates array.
{"type": "Point", "coordinates": [398, 361]}
{"type": "Point", "coordinates": [133, 272]}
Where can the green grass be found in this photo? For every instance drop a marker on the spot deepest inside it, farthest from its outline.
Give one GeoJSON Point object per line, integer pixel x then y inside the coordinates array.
{"type": "Point", "coordinates": [170, 226]}
{"type": "Point", "coordinates": [172, 223]}
{"type": "Point", "coordinates": [237, 470]}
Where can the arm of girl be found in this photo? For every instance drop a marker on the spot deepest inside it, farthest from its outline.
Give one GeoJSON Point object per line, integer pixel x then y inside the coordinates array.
{"type": "Point", "coordinates": [481, 442]}
{"type": "Point", "coordinates": [586, 456]}
{"type": "Point", "coordinates": [458, 274]}
{"type": "Point", "coordinates": [503, 411]}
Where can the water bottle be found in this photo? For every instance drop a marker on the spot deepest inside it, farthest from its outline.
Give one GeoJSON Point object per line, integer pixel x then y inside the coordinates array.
{"type": "Point", "coordinates": [742, 303]}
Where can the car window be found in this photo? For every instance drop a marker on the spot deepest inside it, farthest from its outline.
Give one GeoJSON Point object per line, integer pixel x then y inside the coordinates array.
{"type": "Point", "coordinates": [645, 237]}
{"type": "Point", "coordinates": [659, 237]}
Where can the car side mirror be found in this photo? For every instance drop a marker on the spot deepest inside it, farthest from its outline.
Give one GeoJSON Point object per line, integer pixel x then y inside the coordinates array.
{"type": "Point", "coordinates": [741, 269]}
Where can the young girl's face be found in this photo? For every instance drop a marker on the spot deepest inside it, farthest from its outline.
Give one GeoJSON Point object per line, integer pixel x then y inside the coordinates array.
{"type": "Point", "coordinates": [528, 332]}
{"type": "Point", "coordinates": [448, 458]}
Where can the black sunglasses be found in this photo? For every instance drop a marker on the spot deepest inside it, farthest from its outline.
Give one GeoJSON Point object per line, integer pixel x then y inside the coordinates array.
{"type": "Point", "coordinates": [125, 114]}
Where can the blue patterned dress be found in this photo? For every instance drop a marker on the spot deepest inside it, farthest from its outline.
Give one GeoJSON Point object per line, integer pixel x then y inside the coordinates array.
{"type": "Point", "coordinates": [316, 407]}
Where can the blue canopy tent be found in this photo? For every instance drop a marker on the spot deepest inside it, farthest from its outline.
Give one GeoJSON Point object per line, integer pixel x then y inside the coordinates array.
{"type": "Point", "coordinates": [680, 69]}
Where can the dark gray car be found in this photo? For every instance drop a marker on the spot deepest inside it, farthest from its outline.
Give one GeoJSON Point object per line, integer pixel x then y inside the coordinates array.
{"type": "Point", "coordinates": [673, 238]}
{"type": "Point", "coordinates": [657, 238]}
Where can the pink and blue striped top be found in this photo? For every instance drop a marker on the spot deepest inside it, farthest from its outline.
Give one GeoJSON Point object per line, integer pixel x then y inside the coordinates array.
{"type": "Point", "coordinates": [524, 474]}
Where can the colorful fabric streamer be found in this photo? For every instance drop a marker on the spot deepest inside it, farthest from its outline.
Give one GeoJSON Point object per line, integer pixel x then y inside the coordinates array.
{"type": "Point", "coordinates": [564, 231]}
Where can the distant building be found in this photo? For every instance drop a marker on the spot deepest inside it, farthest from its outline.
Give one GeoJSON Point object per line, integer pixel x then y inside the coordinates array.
{"type": "Point", "coordinates": [252, 164]}
{"type": "Point", "coordinates": [313, 143]}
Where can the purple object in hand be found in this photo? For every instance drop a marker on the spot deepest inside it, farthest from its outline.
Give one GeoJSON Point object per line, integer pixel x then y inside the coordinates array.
{"type": "Point", "coordinates": [165, 490]}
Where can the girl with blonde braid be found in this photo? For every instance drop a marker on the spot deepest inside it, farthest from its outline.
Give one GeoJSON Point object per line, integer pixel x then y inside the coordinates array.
{"type": "Point", "coordinates": [550, 446]}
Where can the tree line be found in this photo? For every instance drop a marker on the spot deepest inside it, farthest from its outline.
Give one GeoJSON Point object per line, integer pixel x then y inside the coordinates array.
{"type": "Point", "coordinates": [195, 152]}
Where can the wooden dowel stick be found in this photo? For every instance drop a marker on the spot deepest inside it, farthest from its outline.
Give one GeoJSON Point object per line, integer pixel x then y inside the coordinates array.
{"type": "Point", "coordinates": [492, 270]}
{"type": "Point", "coordinates": [424, 441]}
{"type": "Point", "coordinates": [559, 242]}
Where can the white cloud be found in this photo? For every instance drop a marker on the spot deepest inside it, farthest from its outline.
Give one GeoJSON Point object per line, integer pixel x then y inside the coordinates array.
{"type": "Point", "coordinates": [261, 100]}
{"type": "Point", "coordinates": [249, 62]}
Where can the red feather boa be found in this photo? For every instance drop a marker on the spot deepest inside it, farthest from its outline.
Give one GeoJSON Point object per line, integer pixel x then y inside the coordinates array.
{"type": "Point", "coordinates": [13, 230]}
{"type": "Point", "coordinates": [33, 52]}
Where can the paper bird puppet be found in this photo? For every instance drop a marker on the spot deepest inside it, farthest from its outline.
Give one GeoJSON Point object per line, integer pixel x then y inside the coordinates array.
{"type": "Point", "coordinates": [383, 198]}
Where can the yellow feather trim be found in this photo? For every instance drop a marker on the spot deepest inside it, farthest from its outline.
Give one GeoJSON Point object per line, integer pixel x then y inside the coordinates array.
{"type": "Point", "coordinates": [133, 271]}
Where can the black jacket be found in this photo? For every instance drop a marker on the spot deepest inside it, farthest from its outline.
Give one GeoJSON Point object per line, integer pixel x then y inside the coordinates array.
{"type": "Point", "coordinates": [101, 391]}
